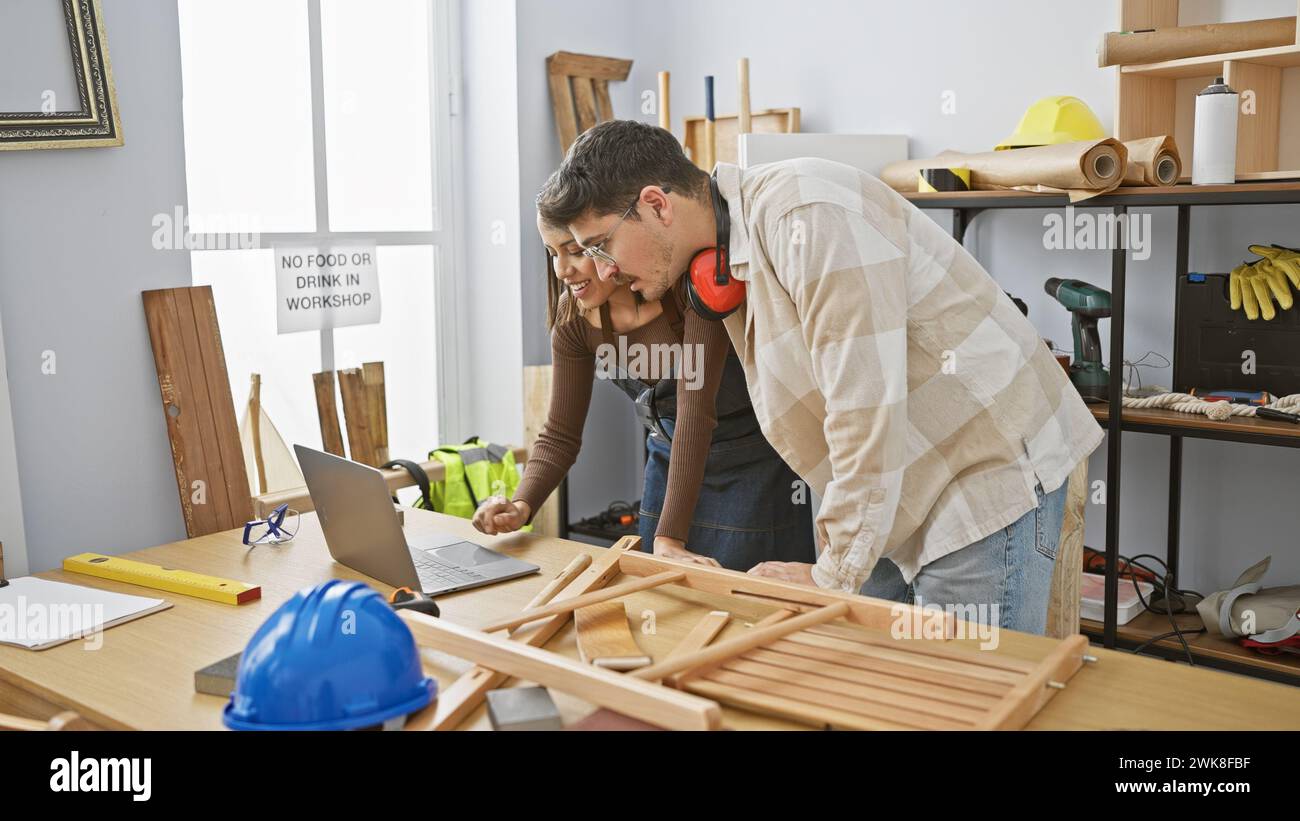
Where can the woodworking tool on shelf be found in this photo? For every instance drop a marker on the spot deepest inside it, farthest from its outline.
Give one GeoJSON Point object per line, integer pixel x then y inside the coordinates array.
{"type": "Point", "coordinates": [1087, 303]}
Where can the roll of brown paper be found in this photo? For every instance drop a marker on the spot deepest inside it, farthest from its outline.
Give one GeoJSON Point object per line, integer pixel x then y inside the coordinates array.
{"type": "Point", "coordinates": [1152, 161]}
{"type": "Point", "coordinates": [1121, 48]}
{"type": "Point", "coordinates": [1081, 169]}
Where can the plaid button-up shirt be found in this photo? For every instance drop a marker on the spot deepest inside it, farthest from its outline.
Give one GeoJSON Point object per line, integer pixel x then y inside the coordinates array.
{"type": "Point", "coordinates": [889, 370]}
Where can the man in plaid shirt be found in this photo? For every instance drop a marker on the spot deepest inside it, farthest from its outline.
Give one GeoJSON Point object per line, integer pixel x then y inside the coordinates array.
{"type": "Point", "coordinates": [885, 365]}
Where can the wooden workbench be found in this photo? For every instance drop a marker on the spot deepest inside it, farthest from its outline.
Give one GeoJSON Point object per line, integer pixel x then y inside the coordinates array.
{"type": "Point", "coordinates": [143, 674]}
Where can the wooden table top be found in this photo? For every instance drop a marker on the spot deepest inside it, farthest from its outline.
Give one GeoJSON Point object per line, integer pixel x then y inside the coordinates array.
{"type": "Point", "coordinates": [142, 676]}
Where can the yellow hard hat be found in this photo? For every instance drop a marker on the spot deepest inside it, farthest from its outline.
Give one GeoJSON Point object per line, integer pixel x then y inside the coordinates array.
{"type": "Point", "coordinates": [1054, 120]}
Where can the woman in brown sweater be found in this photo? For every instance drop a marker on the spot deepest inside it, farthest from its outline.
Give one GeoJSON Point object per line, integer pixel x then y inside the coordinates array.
{"type": "Point", "coordinates": [715, 491]}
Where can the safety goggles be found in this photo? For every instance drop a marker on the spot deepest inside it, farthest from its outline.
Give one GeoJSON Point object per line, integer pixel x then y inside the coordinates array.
{"type": "Point", "coordinates": [272, 529]}
{"type": "Point", "coordinates": [597, 251]}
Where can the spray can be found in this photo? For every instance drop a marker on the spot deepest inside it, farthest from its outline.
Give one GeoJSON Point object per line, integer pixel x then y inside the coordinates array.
{"type": "Point", "coordinates": [1214, 154]}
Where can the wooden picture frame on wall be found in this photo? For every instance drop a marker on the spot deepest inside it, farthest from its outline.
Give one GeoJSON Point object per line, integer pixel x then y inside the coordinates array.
{"type": "Point", "coordinates": [95, 121]}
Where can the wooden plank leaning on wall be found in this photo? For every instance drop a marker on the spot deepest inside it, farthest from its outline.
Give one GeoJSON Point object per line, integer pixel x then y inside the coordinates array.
{"type": "Point", "coordinates": [198, 408]}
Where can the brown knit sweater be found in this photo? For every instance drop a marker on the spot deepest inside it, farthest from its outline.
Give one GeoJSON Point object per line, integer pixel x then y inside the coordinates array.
{"type": "Point", "coordinates": [573, 357]}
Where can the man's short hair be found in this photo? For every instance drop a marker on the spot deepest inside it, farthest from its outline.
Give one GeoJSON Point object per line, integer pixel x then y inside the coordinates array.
{"type": "Point", "coordinates": [607, 167]}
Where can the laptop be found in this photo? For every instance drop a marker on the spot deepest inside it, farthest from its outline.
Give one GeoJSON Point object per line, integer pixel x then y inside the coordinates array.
{"type": "Point", "coordinates": [356, 513]}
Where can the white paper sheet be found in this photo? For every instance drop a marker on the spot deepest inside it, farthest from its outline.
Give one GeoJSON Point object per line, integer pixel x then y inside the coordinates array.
{"type": "Point", "coordinates": [39, 613]}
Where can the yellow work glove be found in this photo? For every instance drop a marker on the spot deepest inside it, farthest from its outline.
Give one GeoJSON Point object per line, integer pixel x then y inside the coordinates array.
{"type": "Point", "coordinates": [1286, 260]}
{"type": "Point", "coordinates": [1254, 285]}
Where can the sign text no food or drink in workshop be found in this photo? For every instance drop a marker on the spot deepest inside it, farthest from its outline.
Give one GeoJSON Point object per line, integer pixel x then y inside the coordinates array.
{"type": "Point", "coordinates": [325, 286]}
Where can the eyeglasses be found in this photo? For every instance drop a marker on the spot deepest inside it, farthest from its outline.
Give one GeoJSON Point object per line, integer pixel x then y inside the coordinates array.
{"type": "Point", "coordinates": [597, 251]}
{"type": "Point", "coordinates": [272, 529]}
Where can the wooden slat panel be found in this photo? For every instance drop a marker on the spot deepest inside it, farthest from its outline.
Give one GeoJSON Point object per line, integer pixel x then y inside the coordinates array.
{"type": "Point", "coordinates": [946, 713]}
{"type": "Point", "coordinates": [372, 375]}
{"type": "Point", "coordinates": [584, 100]}
{"type": "Point", "coordinates": [815, 715]}
{"type": "Point", "coordinates": [796, 697]}
{"type": "Point", "coordinates": [566, 121]}
{"type": "Point", "coordinates": [327, 411]}
{"type": "Point", "coordinates": [356, 416]}
{"type": "Point", "coordinates": [977, 701]}
{"type": "Point", "coordinates": [604, 108]}
{"type": "Point", "coordinates": [213, 475]}
{"type": "Point", "coordinates": [913, 659]}
{"type": "Point", "coordinates": [926, 647]}
{"type": "Point", "coordinates": [588, 65]}
{"type": "Point", "coordinates": [222, 408]}
{"type": "Point", "coordinates": [891, 668]}
{"type": "Point", "coordinates": [192, 416]}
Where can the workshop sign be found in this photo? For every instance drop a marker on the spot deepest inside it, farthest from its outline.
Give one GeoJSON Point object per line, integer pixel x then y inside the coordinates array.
{"type": "Point", "coordinates": [325, 286]}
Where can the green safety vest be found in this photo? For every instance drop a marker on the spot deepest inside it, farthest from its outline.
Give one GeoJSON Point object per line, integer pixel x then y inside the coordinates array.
{"type": "Point", "coordinates": [472, 472]}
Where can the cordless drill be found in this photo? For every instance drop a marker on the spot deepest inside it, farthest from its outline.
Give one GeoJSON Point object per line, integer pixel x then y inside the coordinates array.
{"type": "Point", "coordinates": [1087, 303]}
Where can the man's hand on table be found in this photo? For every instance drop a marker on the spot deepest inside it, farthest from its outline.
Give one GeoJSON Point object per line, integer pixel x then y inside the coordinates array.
{"type": "Point", "coordinates": [797, 572]}
{"type": "Point", "coordinates": [668, 548]}
{"type": "Point", "coordinates": [497, 515]}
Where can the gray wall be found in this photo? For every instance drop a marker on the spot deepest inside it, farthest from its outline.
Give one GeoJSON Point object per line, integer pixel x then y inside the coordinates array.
{"type": "Point", "coordinates": [609, 467]}
{"type": "Point", "coordinates": [855, 67]}
{"type": "Point", "coordinates": [75, 253]}
{"type": "Point", "coordinates": [489, 221]}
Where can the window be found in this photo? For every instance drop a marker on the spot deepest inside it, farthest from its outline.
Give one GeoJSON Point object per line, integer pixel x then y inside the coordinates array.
{"type": "Point", "coordinates": [313, 121]}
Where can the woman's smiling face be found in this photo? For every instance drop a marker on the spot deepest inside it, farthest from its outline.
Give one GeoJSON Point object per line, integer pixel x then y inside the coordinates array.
{"type": "Point", "coordinates": [578, 273]}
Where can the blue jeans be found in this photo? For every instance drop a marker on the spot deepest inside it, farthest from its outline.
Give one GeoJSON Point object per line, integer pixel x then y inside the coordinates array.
{"type": "Point", "coordinates": [1011, 568]}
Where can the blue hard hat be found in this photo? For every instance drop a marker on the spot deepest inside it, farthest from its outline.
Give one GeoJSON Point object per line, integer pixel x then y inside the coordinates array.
{"type": "Point", "coordinates": [333, 657]}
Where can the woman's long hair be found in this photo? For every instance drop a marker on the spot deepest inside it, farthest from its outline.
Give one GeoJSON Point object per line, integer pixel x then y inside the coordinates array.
{"type": "Point", "coordinates": [561, 306]}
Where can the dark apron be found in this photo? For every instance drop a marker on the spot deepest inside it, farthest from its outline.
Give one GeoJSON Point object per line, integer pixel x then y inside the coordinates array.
{"type": "Point", "coordinates": [750, 508]}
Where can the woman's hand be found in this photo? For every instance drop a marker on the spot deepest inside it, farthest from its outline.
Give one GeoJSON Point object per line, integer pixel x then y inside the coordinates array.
{"type": "Point", "coordinates": [669, 548]}
{"type": "Point", "coordinates": [499, 515]}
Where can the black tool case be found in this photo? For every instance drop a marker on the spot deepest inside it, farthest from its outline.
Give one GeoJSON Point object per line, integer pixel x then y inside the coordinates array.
{"type": "Point", "coordinates": [1210, 339]}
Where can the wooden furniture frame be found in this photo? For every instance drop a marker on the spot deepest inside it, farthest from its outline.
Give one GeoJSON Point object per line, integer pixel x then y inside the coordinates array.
{"type": "Point", "coordinates": [580, 91]}
{"type": "Point", "coordinates": [823, 658]}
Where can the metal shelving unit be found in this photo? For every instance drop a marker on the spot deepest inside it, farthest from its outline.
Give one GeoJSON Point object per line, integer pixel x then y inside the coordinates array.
{"type": "Point", "coordinates": [965, 206]}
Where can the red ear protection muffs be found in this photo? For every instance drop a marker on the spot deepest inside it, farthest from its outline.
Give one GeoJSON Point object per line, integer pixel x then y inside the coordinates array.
{"type": "Point", "coordinates": [711, 290]}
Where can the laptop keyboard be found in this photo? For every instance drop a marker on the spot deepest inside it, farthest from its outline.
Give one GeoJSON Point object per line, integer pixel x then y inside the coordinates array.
{"type": "Point", "coordinates": [438, 574]}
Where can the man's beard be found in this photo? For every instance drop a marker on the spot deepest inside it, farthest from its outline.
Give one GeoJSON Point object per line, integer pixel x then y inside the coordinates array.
{"type": "Point", "coordinates": [654, 287]}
